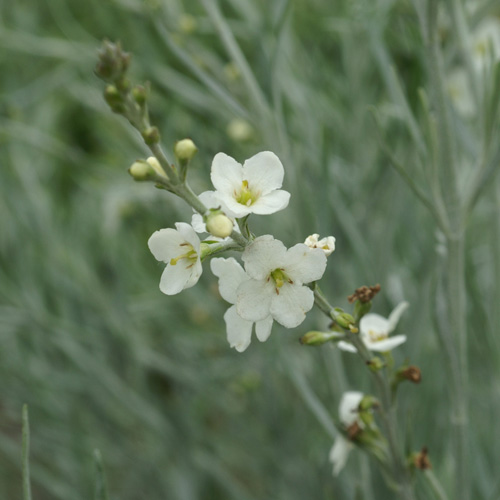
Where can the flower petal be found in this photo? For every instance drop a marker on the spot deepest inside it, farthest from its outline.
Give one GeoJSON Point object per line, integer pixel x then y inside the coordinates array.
{"type": "Point", "coordinates": [231, 275]}
{"type": "Point", "coordinates": [175, 278]}
{"type": "Point", "coordinates": [262, 256]}
{"type": "Point", "coordinates": [196, 271]}
{"type": "Point", "coordinates": [263, 328]}
{"type": "Point", "coordinates": [396, 315]}
{"type": "Point", "coordinates": [253, 299]}
{"type": "Point", "coordinates": [304, 264]}
{"type": "Point", "coordinates": [339, 453]}
{"type": "Point", "coordinates": [346, 346]}
{"type": "Point", "coordinates": [239, 330]}
{"type": "Point", "coordinates": [165, 244]}
{"type": "Point", "coordinates": [373, 323]}
{"type": "Point", "coordinates": [289, 307]}
{"type": "Point", "coordinates": [226, 174]}
{"type": "Point", "coordinates": [189, 235]}
{"type": "Point", "coordinates": [271, 202]}
{"type": "Point", "coordinates": [348, 407]}
{"type": "Point", "coordinates": [264, 172]}
{"type": "Point", "coordinates": [387, 344]}
{"type": "Point", "coordinates": [231, 206]}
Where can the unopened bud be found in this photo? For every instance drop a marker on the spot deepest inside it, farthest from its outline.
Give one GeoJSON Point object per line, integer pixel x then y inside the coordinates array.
{"type": "Point", "coordinates": [219, 224]}
{"type": "Point", "coordinates": [345, 320]}
{"type": "Point", "coordinates": [240, 130]}
{"type": "Point", "coordinates": [185, 150]}
{"type": "Point", "coordinates": [375, 364]}
{"type": "Point", "coordinates": [113, 62]}
{"type": "Point", "coordinates": [114, 99]}
{"type": "Point", "coordinates": [318, 338]}
{"type": "Point", "coordinates": [156, 165]}
{"type": "Point", "coordinates": [142, 171]}
{"type": "Point", "coordinates": [151, 135]}
{"type": "Point", "coordinates": [140, 94]}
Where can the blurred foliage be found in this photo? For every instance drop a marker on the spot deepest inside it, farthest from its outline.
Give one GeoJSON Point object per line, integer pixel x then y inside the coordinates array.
{"type": "Point", "coordinates": [104, 360]}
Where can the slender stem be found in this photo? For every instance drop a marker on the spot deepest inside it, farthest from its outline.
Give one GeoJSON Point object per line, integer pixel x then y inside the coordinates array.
{"type": "Point", "coordinates": [25, 454]}
{"type": "Point", "coordinates": [435, 485]}
{"type": "Point", "coordinates": [101, 490]}
{"type": "Point", "coordinates": [387, 411]}
{"type": "Point", "coordinates": [455, 291]}
{"type": "Point", "coordinates": [187, 194]}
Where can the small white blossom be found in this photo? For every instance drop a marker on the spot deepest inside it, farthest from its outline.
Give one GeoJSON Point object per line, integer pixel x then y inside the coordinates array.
{"type": "Point", "coordinates": [239, 331]}
{"type": "Point", "coordinates": [348, 414]}
{"type": "Point", "coordinates": [485, 43]}
{"type": "Point", "coordinates": [375, 330]}
{"type": "Point", "coordinates": [278, 278]}
{"type": "Point", "coordinates": [326, 244]}
{"type": "Point", "coordinates": [180, 249]}
{"type": "Point", "coordinates": [252, 187]}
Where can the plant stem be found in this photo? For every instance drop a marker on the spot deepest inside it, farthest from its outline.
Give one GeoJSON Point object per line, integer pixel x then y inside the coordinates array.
{"type": "Point", "coordinates": [387, 410]}
{"type": "Point", "coordinates": [25, 454]}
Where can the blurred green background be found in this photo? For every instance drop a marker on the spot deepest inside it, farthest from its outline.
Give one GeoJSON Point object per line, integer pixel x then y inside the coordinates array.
{"type": "Point", "coordinates": [105, 361]}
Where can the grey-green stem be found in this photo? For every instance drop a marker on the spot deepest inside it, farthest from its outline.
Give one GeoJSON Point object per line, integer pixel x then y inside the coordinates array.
{"type": "Point", "coordinates": [387, 411]}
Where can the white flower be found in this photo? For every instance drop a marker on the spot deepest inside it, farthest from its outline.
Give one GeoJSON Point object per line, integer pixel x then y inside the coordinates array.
{"type": "Point", "coordinates": [239, 331]}
{"type": "Point", "coordinates": [251, 188]}
{"type": "Point", "coordinates": [277, 281]}
{"type": "Point", "coordinates": [180, 249]}
{"type": "Point", "coordinates": [348, 413]}
{"type": "Point", "coordinates": [485, 43]}
{"type": "Point", "coordinates": [375, 329]}
{"type": "Point", "coordinates": [326, 244]}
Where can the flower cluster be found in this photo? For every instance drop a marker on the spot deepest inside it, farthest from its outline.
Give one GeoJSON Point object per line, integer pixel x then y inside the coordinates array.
{"type": "Point", "coordinates": [272, 286]}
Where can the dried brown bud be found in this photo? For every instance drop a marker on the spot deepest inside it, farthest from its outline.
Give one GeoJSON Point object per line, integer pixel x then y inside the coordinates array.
{"type": "Point", "coordinates": [421, 459]}
{"type": "Point", "coordinates": [412, 373]}
{"type": "Point", "coordinates": [364, 293]}
{"type": "Point", "coordinates": [353, 431]}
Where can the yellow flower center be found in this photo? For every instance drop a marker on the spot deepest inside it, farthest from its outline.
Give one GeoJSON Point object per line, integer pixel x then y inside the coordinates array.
{"type": "Point", "coordinates": [377, 336]}
{"type": "Point", "coordinates": [280, 278]}
{"type": "Point", "coordinates": [246, 196]}
{"type": "Point", "coordinates": [190, 255]}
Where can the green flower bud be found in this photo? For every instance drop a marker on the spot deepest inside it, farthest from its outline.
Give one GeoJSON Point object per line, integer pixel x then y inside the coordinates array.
{"type": "Point", "coordinates": [345, 320]}
{"type": "Point", "coordinates": [375, 364]}
{"type": "Point", "coordinates": [318, 338]}
{"type": "Point", "coordinates": [156, 166]}
{"type": "Point", "coordinates": [113, 62]}
{"type": "Point", "coordinates": [140, 95]}
{"type": "Point", "coordinates": [142, 171]}
{"type": "Point", "coordinates": [219, 224]}
{"type": "Point", "coordinates": [151, 136]}
{"type": "Point", "coordinates": [185, 150]}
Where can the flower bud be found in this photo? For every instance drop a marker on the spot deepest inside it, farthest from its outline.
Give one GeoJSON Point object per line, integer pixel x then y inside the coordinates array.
{"type": "Point", "coordinates": [151, 135]}
{"type": "Point", "coordinates": [156, 166]}
{"type": "Point", "coordinates": [219, 224]}
{"type": "Point", "coordinates": [239, 130]}
{"type": "Point", "coordinates": [345, 320]}
{"type": "Point", "coordinates": [375, 364]}
{"type": "Point", "coordinates": [318, 338]}
{"type": "Point", "coordinates": [140, 94]}
{"type": "Point", "coordinates": [142, 171]}
{"type": "Point", "coordinates": [185, 150]}
{"type": "Point", "coordinates": [113, 62]}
